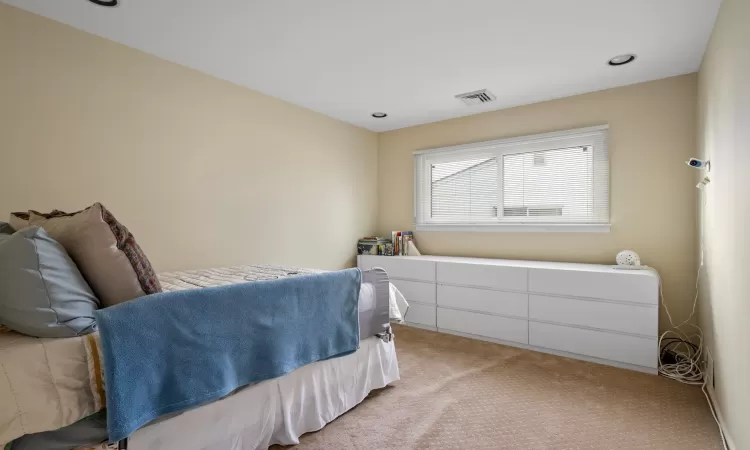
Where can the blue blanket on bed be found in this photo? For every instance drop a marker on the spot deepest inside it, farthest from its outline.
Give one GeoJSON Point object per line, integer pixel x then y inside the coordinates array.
{"type": "Point", "coordinates": [167, 352]}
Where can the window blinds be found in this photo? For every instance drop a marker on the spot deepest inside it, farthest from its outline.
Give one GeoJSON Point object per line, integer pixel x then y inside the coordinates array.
{"type": "Point", "coordinates": [464, 189]}
{"type": "Point", "coordinates": [555, 178]}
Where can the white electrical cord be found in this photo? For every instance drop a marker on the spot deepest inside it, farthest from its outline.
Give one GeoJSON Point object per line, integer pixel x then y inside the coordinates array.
{"type": "Point", "coordinates": [687, 349]}
{"type": "Point", "coordinates": [687, 346]}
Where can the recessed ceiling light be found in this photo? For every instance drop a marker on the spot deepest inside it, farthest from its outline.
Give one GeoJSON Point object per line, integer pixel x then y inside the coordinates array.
{"type": "Point", "coordinates": [621, 60]}
{"type": "Point", "coordinates": [107, 3]}
{"type": "Point", "coordinates": [379, 115]}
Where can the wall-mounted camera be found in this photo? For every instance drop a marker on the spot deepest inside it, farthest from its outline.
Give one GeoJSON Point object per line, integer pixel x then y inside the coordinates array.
{"type": "Point", "coordinates": [696, 163]}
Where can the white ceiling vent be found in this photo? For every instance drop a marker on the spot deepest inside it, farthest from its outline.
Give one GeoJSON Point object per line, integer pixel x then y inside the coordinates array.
{"type": "Point", "coordinates": [476, 97]}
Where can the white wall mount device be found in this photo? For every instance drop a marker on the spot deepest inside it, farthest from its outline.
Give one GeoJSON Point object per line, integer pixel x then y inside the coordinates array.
{"type": "Point", "coordinates": [696, 163]}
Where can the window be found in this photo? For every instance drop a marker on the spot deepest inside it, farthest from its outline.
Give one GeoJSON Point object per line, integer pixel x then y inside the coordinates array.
{"type": "Point", "coordinates": [547, 182]}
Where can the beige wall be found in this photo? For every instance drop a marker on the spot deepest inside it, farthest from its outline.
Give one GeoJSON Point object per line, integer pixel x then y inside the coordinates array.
{"type": "Point", "coordinates": [724, 137]}
{"type": "Point", "coordinates": [203, 172]}
{"type": "Point", "coordinates": [652, 191]}
{"type": "Point", "coordinates": [208, 173]}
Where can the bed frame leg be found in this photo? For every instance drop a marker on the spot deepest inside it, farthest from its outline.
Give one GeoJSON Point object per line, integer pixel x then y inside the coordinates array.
{"type": "Point", "coordinates": [123, 444]}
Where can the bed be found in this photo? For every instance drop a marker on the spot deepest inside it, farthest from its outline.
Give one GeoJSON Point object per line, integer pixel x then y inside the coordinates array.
{"type": "Point", "coordinates": [53, 383]}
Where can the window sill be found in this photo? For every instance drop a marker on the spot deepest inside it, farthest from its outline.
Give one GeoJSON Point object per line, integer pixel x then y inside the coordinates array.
{"type": "Point", "coordinates": [518, 228]}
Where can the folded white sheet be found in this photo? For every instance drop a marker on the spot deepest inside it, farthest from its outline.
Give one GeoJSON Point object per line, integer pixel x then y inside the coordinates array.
{"type": "Point", "coordinates": [398, 305]}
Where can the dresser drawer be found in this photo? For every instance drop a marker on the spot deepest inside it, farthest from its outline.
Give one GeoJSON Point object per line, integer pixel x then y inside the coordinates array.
{"type": "Point", "coordinates": [409, 268]}
{"type": "Point", "coordinates": [483, 300]}
{"type": "Point", "coordinates": [608, 316]}
{"type": "Point", "coordinates": [421, 314]}
{"type": "Point", "coordinates": [496, 327]}
{"type": "Point", "coordinates": [482, 275]}
{"type": "Point", "coordinates": [416, 291]}
{"type": "Point", "coordinates": [627, 286]}
{"type": "Point", "coordinates": [599, 344]}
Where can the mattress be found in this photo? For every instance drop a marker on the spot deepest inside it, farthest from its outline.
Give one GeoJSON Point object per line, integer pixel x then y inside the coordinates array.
{"type": "Point", "coordinates": [46, 384]}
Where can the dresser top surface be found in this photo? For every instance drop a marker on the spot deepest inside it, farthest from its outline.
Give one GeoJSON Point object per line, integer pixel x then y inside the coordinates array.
{"type": "Point", "coordinates": [603, 268]}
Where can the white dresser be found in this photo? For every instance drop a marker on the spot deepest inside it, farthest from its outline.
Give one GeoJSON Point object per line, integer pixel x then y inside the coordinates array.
{"type": "Point", "coordinates": [583, 311]}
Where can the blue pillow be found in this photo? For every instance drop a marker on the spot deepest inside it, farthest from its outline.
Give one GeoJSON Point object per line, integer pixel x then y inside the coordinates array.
{"type": "Point", "coordinates": [42, 293]}
{"type": "Point", "coordinates": [5, 228]}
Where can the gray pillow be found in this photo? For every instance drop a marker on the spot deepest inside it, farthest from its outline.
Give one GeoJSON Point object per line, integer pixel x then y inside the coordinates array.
{"type": "Point", "coordinates": [42, 293]}
{"type": "Point", "coordinates": [5, 228]}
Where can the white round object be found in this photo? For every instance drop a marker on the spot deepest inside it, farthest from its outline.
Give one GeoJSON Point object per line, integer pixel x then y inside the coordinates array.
{"type": "Point", "coordinates": [628, 258]}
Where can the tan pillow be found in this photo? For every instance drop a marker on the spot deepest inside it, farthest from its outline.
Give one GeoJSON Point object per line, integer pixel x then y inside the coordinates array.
{"type": "Point", "coordinates": [105, 251]}
{"type": "Point", "coordinates": [20, 220]}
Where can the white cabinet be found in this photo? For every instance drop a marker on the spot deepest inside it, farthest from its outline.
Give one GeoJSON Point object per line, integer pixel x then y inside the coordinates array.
{"type": "Point", "coordinates": [634, 319]}
{"type": "Point", "coordinates": [482, 275]}
{"type": "Point", "coordinates": [415, 278]}
{"type": "Point", "coordinates": [402, 268]}
{"type": "Point", "coordinates": [416, 291]}
{"type": "Point", "coordinates": [585, 311]}
{"type": "Point", "coordinates": [513, 304]}
{"type": "Point", "coordinates": [420, 314]}
{"type": "Point", "coordinates": [635, 286]}
{"type": "Point", "coordinates": [634, 350]}
{"type": "Point", "coordinates": [496, 327]}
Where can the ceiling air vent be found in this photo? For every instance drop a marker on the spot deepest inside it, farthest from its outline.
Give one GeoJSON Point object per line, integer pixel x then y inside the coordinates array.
{"type": "Point", "coordinates": [476, 97]}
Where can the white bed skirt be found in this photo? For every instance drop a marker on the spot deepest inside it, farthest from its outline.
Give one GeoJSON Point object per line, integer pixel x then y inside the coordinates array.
{"type": "Point", "coordinates": [277, 411]}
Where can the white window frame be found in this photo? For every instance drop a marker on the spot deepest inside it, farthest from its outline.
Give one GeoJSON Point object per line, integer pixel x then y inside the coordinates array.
{"type": "Point", "coordinates": [498, 148]}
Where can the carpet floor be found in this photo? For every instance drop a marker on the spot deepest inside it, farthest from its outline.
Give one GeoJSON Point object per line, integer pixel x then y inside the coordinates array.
{"type": "Point", "coordinates": [458, 393]}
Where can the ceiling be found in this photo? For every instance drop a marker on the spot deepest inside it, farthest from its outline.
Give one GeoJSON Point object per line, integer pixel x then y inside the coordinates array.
{"type": "Point", "coordinates": [408, 58]}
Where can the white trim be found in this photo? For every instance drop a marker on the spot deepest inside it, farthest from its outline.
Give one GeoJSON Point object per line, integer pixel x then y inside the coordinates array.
{"type": "Point", "coordinates": [528, 139]}
{"type": "Point", "coordinates": [711, 394]}
{"type": "Point", "coordinates": [420, 326]}
{"type": "Point", "coordinates": [519, 227]}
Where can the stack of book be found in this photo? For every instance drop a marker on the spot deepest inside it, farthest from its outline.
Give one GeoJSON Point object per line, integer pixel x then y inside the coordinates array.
{"type": "Point", "coordinates": [373, 245]}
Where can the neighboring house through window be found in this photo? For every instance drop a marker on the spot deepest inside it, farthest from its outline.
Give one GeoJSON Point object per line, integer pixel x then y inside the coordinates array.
{"type": "Point", "coordinates": [549, 182]}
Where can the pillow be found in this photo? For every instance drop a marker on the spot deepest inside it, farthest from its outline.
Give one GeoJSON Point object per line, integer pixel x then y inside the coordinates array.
{"type": "Point", "coordinates": [6, 228]}
{"type": "Point", "coordinates": [105, 251]}
{"type": "Point", "coordinates": [42, 293]}
{"type": "Point", "coordinates": [20, 220]}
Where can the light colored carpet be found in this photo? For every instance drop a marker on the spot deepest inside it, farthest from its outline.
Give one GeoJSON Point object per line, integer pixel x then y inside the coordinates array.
{"type": "Point", "coordinates": [458, 393]}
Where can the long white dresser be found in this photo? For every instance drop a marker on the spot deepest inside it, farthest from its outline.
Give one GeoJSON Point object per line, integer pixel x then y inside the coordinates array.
{"type": "Point", "coordinates": [585, 311]}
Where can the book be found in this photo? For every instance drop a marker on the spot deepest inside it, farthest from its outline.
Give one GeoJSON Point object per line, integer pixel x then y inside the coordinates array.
{"type": "Point", "coordinates": [401, 240]}
{"type": "Point", "coordinates": [406, 237]}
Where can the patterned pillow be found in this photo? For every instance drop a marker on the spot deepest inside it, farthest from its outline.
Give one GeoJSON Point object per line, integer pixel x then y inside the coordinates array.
{"type": "Point", "coordinates": [105, 252]}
